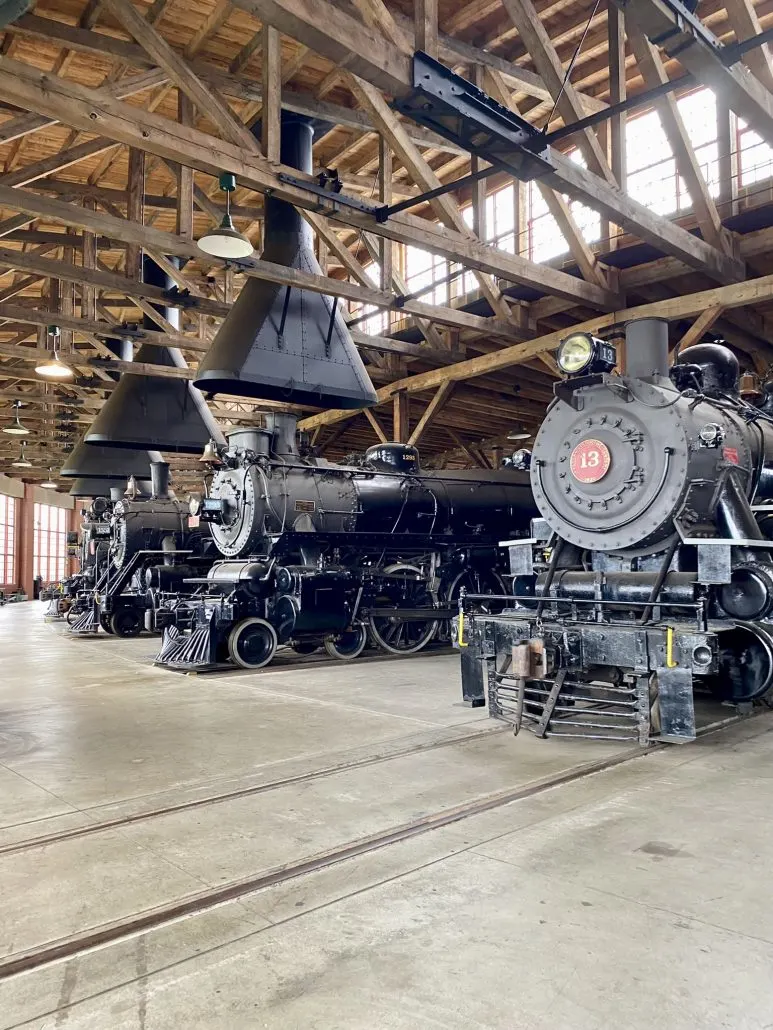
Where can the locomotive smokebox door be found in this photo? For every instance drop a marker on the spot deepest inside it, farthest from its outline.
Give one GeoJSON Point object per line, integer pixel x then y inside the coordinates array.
{"type": "Point", "coordinates": [610, 475]}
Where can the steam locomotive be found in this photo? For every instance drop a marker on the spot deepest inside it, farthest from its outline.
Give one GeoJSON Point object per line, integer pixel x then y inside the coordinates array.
{"type": "Point", "coordinates": [149, 551]}
{"type": "Point", "coordinates": [649, 574]}
{"type": "Point", "coordinates": [68, 599]}
{"type": "Point", "coordinates": [316, 553]}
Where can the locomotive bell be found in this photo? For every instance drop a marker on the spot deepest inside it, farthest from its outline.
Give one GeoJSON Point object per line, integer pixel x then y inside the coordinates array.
{"type": "Point", "coordinates": [153, 411]}
{"type": "Point", "coordinates": [211, 455]}
{"type": "Point", "coordinates": [281, 342]}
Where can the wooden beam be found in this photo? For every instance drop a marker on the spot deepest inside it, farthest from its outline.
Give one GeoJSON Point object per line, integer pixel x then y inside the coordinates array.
{"type": "Point", "coordinates": [653, 73]}
{"type": "Point", "coordinates": [377, 15]}
{"type": "Point", "coordinates": [745, 94]}
{"type": "Point", "coordinates": [157, 242]}
{"type": "Point", "coordinates": [543, 53]}
{"type": "Point", "coordinates": [475, 459]}
{"type": "Point", "coordinates": [171, 141]}
{"type": "Point", "coordinates": [271, 77]}
{"type": "Point", "coordinates": [342, 39]}
{"type": "Point", "coordinates": [184, 213]}
{"type": "Point", "coordinates": [377, 428]}
{"type": "Point", "coordinates": [135, 209]}
{"type": "Point", "coordinates": [700, 327]}
{"type": "Point", "coordinates": [579, 248]}
{"type": "Point", "coordinates": [421, 172]}
{"type": "Point", "coordinates": [737, 295]}
{"type": "Point", "coordinates": [426, 23]}
{"type": "Point", "coordinates": [617, 92]}
{"type": "Point", "coordinates": [432, 410]}
{"type": "Point", "coordinates": [401, 417]}
{"type": "Point", "coordinates": [89, 259]}
{"type": "Point", "coordinates": [742, 15]}
{"type": "Point", "coordinates": [182, 75]}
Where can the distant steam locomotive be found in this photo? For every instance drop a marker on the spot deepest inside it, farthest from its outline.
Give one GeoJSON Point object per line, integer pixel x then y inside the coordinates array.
{"type": "Point", "coordinates": [147, 551]}
{"type": "Point", "coordinates": [317, 553]}
{"type": "Point", "coordinates": [650, 574]}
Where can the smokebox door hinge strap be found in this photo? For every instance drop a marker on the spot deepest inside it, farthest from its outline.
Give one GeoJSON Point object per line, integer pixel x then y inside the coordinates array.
{"type": "Point", "coordinates": [331, 326]}
{"type": "Point", "coordinates": [280, 335]}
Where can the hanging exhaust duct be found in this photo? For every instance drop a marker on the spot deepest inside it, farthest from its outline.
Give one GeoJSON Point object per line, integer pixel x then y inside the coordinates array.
{"type": "Point", "coordinates": [280, 342]}
{"type": "Point", "coordinates": [86, 460]}
{"type": "Point", "coordinates": [151, 411]}
{"type": "Point", "coordinates": [84, 487]}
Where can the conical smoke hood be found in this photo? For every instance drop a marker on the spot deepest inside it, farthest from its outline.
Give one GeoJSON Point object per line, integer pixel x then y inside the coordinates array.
{"type": "Point", "coordinates": [91, 487]}
{"type": "Point", "coordinates": [91, 462]}
{"type": "Point", "coordinates": [282, 343]}
{"type": "Point", "coordinates": [150, 411]}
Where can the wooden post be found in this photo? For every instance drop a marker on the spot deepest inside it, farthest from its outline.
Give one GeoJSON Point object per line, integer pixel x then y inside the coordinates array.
{"type": "Point", "coordinates": [385, 246]}
{"type": "Point", "coordinates": [617, 91]}
{"type": "Point", "coordinates": [479, 187]}
{"type": "Point", "coordinates": [135, 209]}
{"type": "Point", "coordinates": [89, 260]}
{"type": "Point", "coordinates": [184, 173]}
{"type": "Point", "coordinates": [401, 417]}
{"type": "Point", "coordinates": [426, 27]}
{"type": "Point", "coordinates": [272, 93]}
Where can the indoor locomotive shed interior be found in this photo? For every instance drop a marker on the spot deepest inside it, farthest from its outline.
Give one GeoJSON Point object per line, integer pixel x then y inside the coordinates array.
{"type": "Point", "coordinates": [325, 842]}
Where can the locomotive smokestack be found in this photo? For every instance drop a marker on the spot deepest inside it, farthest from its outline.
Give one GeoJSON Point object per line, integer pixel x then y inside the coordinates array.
{"type": "Point", "coordinates": [283, 428]}
{"type": "Point", "coordinates": [159, 478]}
{"type": "Point", "coordinates": [646, 348]}
{"type": "Point", "coordinates": [281, 342]}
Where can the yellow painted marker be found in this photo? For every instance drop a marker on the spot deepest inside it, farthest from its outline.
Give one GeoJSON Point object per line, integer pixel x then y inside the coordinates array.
{"type": "Point", "coordinates": [670, 663]}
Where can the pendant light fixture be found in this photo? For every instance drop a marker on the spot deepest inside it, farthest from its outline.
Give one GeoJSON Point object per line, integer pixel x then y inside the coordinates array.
{"type": "Point", "coordinates": [22, 462]}
{"type": "Point", "coordinates": [54, 368]}
{"type": "Point", "coordinates": [226, 241]}
{"type": "Point", "coordinates": [50, 483]}
{"type": "Point", "coordinates": [16, 428]}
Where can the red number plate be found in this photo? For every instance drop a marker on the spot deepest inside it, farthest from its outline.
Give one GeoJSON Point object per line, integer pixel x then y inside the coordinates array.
{"type": "Point", "coordinates": [590, 461]}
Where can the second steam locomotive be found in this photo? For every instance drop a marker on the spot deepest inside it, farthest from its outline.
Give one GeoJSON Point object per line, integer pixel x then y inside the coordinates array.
{"type": "Point", "coordinates": [317, 553]}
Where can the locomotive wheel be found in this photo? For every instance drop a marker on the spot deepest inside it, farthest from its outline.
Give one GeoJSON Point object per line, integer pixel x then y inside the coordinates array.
{"type": "Point", "coordinates": [104, 622]}
{"type": "Point", "coordinates": [403, 636]}
{"type": "Point", "coordinates": [252, 643]}
{"type": "Point", "coordinates": [71, 615]}
{"type": "Point", "coordinates": [478, 581]}
{"type": "Point", "coordinates": [745, 663]}
{"type": "Point", "coordinates": [125, 623]}
{"type": "Point", "coordinates": [349, 644]}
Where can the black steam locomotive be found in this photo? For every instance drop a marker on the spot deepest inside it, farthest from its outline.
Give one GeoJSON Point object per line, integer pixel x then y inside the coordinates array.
{"type": "Point", "coordinates": [69, 598]}
{"type": "Point", "coordinates": [649, 574]}
{"type": "Point", "coordinates": [317, 553]}
{"type": "Point", "coordinates": [149, 552]}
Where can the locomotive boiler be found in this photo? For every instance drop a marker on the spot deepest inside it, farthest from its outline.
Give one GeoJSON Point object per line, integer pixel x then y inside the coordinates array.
{"type": "Point", "coordinates": [150, 552]}
{"type": "Point", "coordinates": [649, 575]}
{"type": "Point", "coordinates": [317, 553]}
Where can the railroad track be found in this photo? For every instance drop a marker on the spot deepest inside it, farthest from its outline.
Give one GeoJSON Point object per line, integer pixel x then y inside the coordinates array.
{"type": "Point", "coordinates": [203, 901]}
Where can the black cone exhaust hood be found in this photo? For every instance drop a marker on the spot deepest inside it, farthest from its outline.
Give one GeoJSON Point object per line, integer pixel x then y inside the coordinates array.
{"type": "Point", "coordinates": [117, 464]}
{"type": "Point", "coordinates": [280, 343]}
{"type": "Point", "coordinates": [85, 487]}
{"type": "Point", "coordinates": [154, 412]}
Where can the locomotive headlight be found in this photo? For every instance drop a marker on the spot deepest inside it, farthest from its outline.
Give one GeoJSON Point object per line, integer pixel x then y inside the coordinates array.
{"type": "Point", "coordinates": [583, 352]}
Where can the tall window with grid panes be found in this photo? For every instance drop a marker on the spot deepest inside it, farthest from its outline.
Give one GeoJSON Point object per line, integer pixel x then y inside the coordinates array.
{"type": "Point", "coordinates": [50, 542]}
{"type": "Point", "coordinates": [7, 541]}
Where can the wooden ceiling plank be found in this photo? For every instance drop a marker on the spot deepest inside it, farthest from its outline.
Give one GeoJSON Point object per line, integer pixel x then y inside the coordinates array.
{"type": "Point", "coordinates": [182, 75]}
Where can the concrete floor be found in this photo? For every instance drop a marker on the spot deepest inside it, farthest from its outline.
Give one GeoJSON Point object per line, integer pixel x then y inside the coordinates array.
{"type": "Point", "coordinates": [632, 898]}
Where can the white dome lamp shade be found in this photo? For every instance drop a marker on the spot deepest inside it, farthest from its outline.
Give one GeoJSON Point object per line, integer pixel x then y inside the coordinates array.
{"type": "Point", "coordinates": [16, 428]}
{"type": "Point", "coordinates": [54, 367]}
{"type": "Point", "coordinates": [225, 241]}
{"type": "Point", "coordinates": [50, 483]}
{"type": "Point", "coordinates": [22, 462]}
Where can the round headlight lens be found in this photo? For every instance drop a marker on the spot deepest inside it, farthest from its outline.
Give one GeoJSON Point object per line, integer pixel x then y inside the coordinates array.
{"type": "Point", "coordinates": [575, 352]}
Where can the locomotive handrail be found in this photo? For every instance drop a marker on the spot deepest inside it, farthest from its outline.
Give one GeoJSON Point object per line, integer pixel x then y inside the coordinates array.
{"type": "Point", "coordinates": [698, 607]}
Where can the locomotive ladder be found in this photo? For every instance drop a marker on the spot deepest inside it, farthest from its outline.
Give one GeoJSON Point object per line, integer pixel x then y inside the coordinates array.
{"type": "Point", "coordinates": [568, 708]}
